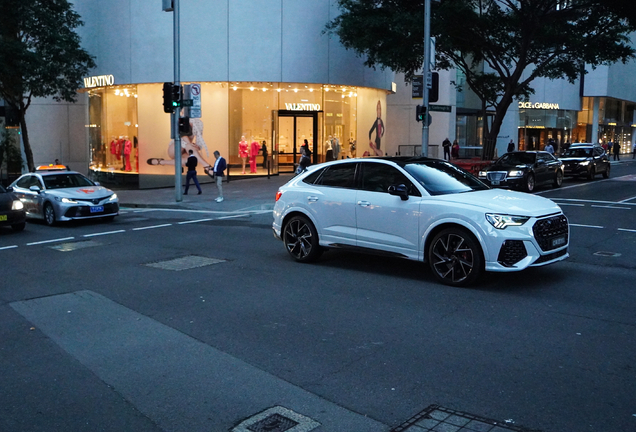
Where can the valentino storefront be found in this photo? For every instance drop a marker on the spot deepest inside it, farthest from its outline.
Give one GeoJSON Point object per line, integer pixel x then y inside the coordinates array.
{"type": "Point", "coordinates": [129, 134]}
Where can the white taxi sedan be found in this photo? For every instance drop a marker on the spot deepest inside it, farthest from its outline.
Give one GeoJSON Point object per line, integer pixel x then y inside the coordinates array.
{"type": "Point", "coordinates": [419, 209]}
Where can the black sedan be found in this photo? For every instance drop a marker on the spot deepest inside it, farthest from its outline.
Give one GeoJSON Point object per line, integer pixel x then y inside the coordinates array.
{"type": "Point", "coordinates": [524, 170]}
{"type": "Point", "coordinates": [11, 210]}
{"type": "Point", "coordinates": [586, 160]}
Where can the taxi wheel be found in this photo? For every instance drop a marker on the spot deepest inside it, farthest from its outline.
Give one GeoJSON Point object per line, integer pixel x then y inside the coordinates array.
{"type": "Point", "coordinates": [301, 239]}
{"type": "Point", "coordinates": [49, 214]}
{"type": "Point", "coordinates": [455, 257]}
{"type": "Point", "coordinates": [18, 227]}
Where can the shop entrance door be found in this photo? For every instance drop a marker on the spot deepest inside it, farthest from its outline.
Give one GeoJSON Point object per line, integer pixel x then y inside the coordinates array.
{"type": "Point", "coordinates": [291, 129]}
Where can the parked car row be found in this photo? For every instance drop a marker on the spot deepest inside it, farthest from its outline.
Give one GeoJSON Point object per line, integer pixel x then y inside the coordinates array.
{"type": "Point", "coordinates": [524, 170]}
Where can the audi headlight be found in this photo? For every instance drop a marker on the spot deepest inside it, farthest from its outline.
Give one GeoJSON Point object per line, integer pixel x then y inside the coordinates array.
{"type": "Point", "coordinates": [17, 205]}
{"type": "Point", "coordinates": [515, 173]}
{"type": "Point", "coordinates": [503, 221]}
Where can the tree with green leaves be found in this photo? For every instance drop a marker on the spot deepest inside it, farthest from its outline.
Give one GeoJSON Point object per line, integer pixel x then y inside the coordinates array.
{"type": "Point", "coordinates": [40, 56]}
{"type": "Point", "coordinates": [500, 46]}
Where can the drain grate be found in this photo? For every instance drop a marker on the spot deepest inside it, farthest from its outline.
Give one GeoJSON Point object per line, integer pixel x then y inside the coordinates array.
{"type": "Point", "coordinates": [69, 247]}
{"type": "Point", "coordinates": [437, 418]}
{"type": "Point", "coordinates": [184, 263]}
{"type": "Point", "coordinates": [273, 423]}
{"type": "Point", "coordinates": [277, 419]}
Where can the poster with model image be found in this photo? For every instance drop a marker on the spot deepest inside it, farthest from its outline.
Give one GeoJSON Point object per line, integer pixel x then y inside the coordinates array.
{"type": "Point", "coordinates": [371, 126]}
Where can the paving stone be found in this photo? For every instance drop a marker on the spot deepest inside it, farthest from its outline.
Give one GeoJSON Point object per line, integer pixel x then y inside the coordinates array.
{"type": "Point", "coordinates": [439, 415]}
{"type": "Point", "coordinates": [457, 420]}
{"type": "Point", "coordinates": [478, 426]}
{"type": "Point", "coordinates": [428, 423]}
{"type": "Point", "coordinates": [445, 427]}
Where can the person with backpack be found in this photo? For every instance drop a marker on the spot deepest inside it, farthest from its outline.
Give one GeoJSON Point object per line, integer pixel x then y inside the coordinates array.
{"type": "Point", "coordinates": [305, 157]}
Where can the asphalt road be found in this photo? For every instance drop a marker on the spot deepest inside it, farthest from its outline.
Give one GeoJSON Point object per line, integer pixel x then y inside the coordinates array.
{"type": "Point", "coordinates": [97, 333]}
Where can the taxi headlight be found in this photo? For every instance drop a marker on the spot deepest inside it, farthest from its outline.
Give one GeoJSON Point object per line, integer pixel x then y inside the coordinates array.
{"type": "Point", "coordinates": [66, 200]}
{"type": "Point", "coordinates": [113, 197]}
{"type": "Point", "coordinates": [17, 205]}
{"type": "Point", "coordinates": [500, 221]}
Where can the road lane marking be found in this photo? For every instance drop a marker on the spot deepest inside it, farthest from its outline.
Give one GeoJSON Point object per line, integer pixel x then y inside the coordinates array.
{"type": "Point", "coordinates": [103, 233]}
{"type": "Point", "coordinates": [151, 227]}
{"type": "Point", "coordinates": [593, 201]}
{"type": "Point", "coordinates": [50, 241]}
{"type": "Point", "coordinates": [610, 207]}
{"type": "Point", "coordinates": [586, 226]}
{"type": "Point", "coordinates": [8, 247]}
{"type": "Point", "coordinates": [194, 221]}
{"type": "Point", "coordinates": [571, 204]}
{"type": "Point", "coordinates": [628, 199]}
{"type": "Point", "coordinates": [628, 230]}
{"type": "Point", "coordinates": [233, 216]}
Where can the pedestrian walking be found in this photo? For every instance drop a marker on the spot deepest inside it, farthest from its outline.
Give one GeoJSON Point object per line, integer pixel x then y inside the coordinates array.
{"type": "Point", "coordinates": [191, 163]}
{"type": "Point", "coordinates": [446, 144]}
{"type": "Point", "coordinates": [616, 148]}
{"type": "Point", "coordinates": [634, 150]}
{"type": "Point", "coordinates": [218, 173]}
{"type": "Point", "coordinates": [455, 150]}
{"type": "Point", "coordinates": [511, 146]}
{"type": "Point", "coordinates": [264, 152]}
{"type": "Point", "coordinates": [550, 147]}
{"type": "Point", "coordinates": [305, 157]}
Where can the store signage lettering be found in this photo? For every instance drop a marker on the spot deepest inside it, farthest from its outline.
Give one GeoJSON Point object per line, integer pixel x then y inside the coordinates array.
{"type": "Point", "coordinates": [302, 107]}
{"type": "Point", "coordinates": [99, 81]}
{"type": "Point", "coordinates": [538, 105]}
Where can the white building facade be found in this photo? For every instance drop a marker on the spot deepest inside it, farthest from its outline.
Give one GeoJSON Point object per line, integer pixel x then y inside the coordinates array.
{"type": "Point", "coordinates": [267, 74]}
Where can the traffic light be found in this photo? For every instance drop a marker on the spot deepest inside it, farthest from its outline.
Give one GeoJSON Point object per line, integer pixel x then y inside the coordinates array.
{"type": "Point", "coordinates": [420, 113]}
{"type": "Point", "coordinates": [176, 97]}
{"type": "Point", "coordinates": [167, 97]}
{"type": "Point", "coordinates": [433, 91]}
{"type": "Point", "coordinates": [185, 129]}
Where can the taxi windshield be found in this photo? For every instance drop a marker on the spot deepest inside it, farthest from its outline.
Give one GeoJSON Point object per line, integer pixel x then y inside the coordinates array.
{"type": "Point", "coordinates": [66, 180]}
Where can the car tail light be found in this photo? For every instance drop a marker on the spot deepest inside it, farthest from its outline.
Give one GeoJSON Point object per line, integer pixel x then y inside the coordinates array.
{"type": "Point", "coordinates": [278, 195]}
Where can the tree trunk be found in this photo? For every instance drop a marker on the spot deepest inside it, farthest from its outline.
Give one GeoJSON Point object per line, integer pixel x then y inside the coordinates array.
{"type": "Point", "coordinates": [25, 139]}
{"type": "Point", "coordinates": [500, 113]}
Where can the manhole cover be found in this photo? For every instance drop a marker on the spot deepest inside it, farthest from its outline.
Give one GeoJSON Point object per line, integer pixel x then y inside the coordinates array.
{"type": "Point", "coordinates": [437, 418]}
{"type": "Point", "coordinates": [69, 247]}
{"type": "Point", "coordinates": [185, 263]}
{"type": "Point", "coordinates": [607, 254]}
{"type": "Point", "coordinates": [277, 419]}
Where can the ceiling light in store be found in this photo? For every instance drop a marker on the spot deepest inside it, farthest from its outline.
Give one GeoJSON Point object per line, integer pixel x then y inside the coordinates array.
{"type": "Point", "coordinates": [117, 92]}
{"type": "Point", "coordinates": [264, 89]}
{"type": "Point", "coordinates": [326, 89]}
{"type": "Point", "coordinates": [296, 90]}
{"type": "Point", "coordinates": [311, 90]}
{"type": "Point", "coordinates": [355, 94]}
{"type": "Point", "coordinates": [343, 95]}
{"type": "Point", "coordinates": [234, 88]}
{"type": "Point", "coordinates": [278, 90]}
{"type": "Point", "coordinates": [350, 94]}
{"type": "Point", "coordinates": [251, 88]}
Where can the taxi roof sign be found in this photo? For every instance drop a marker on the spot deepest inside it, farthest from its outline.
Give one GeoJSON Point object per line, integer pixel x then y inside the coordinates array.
{"type": "Point", "coordinates": [51, 167]}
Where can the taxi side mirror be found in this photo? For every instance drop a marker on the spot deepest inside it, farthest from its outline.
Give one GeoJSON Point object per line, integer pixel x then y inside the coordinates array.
{"type": "Point", "coordinates": [35, 188]}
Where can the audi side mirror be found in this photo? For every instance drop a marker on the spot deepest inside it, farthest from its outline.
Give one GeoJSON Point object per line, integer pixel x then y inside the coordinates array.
{"type": "Point", "coordinates": [399, 190]}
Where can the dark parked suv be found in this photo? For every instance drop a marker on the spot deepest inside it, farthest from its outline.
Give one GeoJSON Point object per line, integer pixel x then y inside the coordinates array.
{"type": "Point", "coordinates": [586, 160]}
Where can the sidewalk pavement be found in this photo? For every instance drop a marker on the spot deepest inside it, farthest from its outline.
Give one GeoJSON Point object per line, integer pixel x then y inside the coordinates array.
{"type": "Point", "coordinates": [244, 194]}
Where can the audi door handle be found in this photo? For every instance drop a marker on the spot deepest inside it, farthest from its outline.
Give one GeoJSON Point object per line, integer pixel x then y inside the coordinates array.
{"type": "Point", "coordinates": [364, 203]}
{"type": "Point", "coordinates": [312, 199]}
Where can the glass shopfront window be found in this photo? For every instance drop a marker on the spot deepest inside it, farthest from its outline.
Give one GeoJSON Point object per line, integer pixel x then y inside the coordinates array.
{"type": "Point", "coordinates": [538, 126]}
{"type": "Point", "coordinates": [113, 142]}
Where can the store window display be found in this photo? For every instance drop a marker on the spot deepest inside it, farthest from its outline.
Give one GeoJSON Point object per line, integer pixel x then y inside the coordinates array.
{"type": "Point", "coordinates": [242, 150]}
{"type": "Point", "coordinates": [194, 142]}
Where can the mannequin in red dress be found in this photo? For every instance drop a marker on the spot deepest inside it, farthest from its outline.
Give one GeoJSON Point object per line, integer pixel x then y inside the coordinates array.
{"type": "Point", "coordinates": [243, 151]}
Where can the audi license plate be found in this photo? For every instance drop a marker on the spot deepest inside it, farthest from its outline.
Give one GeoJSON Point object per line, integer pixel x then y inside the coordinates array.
{"type": "Point", "coordinates": [97, 209]}
{"type": "Point", "coordinates": [559, 241]}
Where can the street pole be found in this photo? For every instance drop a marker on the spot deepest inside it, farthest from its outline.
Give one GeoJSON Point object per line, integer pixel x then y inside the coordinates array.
{"type": "Point", "coordinates": [426, 72]}
{"type": "Point", "coordinates": [174, 117]}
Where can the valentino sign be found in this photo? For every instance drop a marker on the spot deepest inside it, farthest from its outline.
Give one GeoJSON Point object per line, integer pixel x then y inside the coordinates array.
{"type": "Point", "coordinates": [538, 105]}
{"type": "Point", "coordinates": [302, 107]}
{"type": "Point", "coordinates": [99, 81]}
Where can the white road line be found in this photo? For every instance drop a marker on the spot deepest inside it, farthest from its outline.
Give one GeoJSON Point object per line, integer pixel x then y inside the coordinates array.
{"type": "Point", "coordinates": [103, 233]}
{"type": "Point", "coordinates": [51, 241]}
{"type": "Point", "coordinates": [195, 221]}
{"type": "Point", "coordinates": [8, 247]}
{"type": "Point", "coordinates": [233, 216]}
{"type": "Point", "coordinates": [628, 230]}
{"type": "Point", "coordinates": [628, 199]}
{"type": "Point", "coordinates": [586, 226]}
{"type": "Point", "coordinates": [592, 201]}
{"type": "Point", "coordinates": [570, 204]}
{"type": "Point", "coordinates": [151, 227]}
{"type": "Point", "coordinates": [610, 207]}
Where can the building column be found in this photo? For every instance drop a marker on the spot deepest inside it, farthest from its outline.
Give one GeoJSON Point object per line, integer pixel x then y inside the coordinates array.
{"type": "Point", "coordinates": [596, 105]}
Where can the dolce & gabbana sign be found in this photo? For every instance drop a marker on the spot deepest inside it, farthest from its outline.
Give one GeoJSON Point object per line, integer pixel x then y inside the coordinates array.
{"type": "Point", "coordinates": [538, 105]}
{"type": "Point", "coordinates": [99, 81]}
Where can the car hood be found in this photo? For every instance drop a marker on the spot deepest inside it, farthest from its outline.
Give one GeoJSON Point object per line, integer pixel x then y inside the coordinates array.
{"type": "Point", "coordinates": [505, 202]}
{"type": "Point", "coordinates": [82, 192]}
{"type": "Point", "coordinates": [507, 167]}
